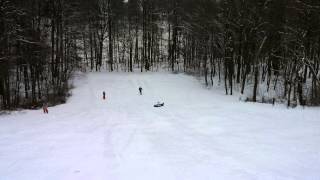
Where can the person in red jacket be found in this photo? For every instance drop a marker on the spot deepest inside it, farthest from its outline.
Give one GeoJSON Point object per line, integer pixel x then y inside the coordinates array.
{"type": "Point", "coordinates": [45, 108]}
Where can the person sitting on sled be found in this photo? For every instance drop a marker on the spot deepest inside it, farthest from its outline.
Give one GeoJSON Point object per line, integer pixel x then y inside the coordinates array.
{"type": "Point", "coordinates": [159, 104]}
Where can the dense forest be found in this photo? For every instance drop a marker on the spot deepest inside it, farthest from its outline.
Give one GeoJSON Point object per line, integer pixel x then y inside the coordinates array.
{"type": "Point", "coordinates": [268, 50]}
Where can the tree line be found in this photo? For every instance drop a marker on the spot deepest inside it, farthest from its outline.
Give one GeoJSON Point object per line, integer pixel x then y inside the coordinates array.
{"type": "Point", "coordinates": [38, 52]}
{"type": "Point", "coordinates": [267, 50]}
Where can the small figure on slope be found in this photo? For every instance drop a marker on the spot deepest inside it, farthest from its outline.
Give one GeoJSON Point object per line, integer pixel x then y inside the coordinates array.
{"type": "Point", "coordinates": [140, 90]}
{"type": "Point", "coordinates": [104, 95]}
{"type": "Point", "coordinates": [45, 107]}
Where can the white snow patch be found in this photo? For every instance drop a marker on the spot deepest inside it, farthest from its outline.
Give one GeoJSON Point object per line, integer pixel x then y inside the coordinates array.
{"type": "Point", "coordinates": [198, 134]}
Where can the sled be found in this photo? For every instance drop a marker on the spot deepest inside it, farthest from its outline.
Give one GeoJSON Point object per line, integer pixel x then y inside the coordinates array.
{"type": "Point", "coordinates": [159, 105]}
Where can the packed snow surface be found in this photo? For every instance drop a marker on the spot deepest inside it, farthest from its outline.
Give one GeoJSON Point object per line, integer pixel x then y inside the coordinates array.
{"type": "Point", "coordinates": [200, 134]}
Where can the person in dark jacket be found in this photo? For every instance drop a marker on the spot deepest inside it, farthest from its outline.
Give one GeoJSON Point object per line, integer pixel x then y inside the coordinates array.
{"type": "Point", "coordinates": [140, 90]}
{"type": "Point", "coordinates": [104, 95]}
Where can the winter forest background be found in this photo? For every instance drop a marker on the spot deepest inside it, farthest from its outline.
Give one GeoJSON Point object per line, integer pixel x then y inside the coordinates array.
{"type": "Point", "coordinates": [268, 50]}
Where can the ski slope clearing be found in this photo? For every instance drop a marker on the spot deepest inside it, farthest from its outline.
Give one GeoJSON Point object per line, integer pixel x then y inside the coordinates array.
{"type": "Point", "coordinates": [199, 134]}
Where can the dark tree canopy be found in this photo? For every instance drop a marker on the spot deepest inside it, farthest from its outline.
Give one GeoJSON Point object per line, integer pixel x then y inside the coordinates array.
{"type": "Point", "coordinates": [268, 50]}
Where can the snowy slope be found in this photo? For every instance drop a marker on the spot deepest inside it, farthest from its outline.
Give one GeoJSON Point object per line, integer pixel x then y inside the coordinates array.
{"type": "Point", "coordinates": [200, 134]}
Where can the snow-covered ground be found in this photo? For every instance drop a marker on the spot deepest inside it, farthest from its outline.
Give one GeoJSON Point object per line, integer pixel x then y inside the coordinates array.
{"type": "Point", "coordinates": [200, 134]}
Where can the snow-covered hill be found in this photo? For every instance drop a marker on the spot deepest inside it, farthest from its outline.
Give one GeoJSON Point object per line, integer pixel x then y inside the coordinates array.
{"type": "Point", "coordinates": [199, 134]}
